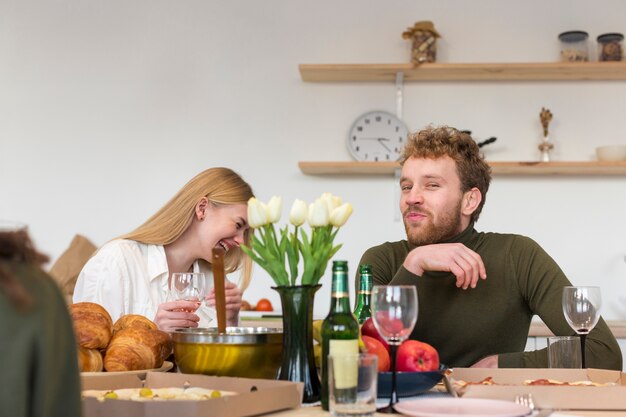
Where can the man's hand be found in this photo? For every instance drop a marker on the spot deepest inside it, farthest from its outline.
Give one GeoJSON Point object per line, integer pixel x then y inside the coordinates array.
{"type": "Point", "coordinates": [233, 302]}
{"type": "Point", "coordinates": [176, 314]}
{"type": "Point", "coordinates": [466, 265]}
{"type": "Point", "coordinates": [488, 362]}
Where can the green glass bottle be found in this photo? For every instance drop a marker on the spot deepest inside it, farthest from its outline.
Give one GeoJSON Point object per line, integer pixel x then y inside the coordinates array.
{"type": "Point", "coordinates": [340, 330]}
{"type": "Point", "coordinates": [362, 310]}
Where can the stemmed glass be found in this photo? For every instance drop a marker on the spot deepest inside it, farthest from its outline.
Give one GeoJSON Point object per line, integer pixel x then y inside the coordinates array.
{"type": "Point", "coordinates": [188, 286]}
{"type": "Point", "coordinates": [394, 312]}
{"type": "Point", "coordinates": [581, 307]}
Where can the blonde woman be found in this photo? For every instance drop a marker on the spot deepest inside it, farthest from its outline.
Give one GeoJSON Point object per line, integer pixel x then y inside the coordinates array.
{"type": "Point", "coordinates": [130, 274]}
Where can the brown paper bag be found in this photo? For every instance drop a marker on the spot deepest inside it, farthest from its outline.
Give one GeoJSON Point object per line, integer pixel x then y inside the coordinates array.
{"type": "Point", "coordinates": [66, 269]}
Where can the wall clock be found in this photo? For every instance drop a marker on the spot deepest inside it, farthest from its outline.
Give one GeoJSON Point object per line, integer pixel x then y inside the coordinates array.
{"type": "Point", "coordinates": [377, 136]}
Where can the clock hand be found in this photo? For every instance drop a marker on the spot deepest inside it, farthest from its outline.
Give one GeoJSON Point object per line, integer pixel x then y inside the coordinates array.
{"type": "Point", "coordinates": [380, 140]}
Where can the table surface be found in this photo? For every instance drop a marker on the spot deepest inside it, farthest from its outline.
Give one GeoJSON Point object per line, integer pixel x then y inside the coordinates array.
{"type": "Point", "coordinates": [318, 412]}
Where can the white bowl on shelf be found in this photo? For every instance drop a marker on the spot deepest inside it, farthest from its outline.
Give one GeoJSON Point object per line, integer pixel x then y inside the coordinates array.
{"type": "Point", "coordinates": [611, 153]}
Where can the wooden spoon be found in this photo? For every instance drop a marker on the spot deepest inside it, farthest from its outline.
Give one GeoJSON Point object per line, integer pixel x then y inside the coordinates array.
{"type": "Point", "coordinates": [220, 292]}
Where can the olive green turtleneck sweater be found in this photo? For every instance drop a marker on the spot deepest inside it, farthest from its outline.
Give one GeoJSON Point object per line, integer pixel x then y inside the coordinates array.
{"type": "Point", "coordinates": [493, 318]}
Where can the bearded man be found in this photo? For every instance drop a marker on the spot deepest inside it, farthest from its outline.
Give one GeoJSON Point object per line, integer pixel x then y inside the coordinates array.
{"type": "Point", "coordinates": [477, 291]}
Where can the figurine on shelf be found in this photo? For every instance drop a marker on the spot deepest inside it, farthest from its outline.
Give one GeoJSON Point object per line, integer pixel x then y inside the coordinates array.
{"type": "Point", "coordinates": [424, 37]}
{"type": "Point", "coordinates": [545, 147]}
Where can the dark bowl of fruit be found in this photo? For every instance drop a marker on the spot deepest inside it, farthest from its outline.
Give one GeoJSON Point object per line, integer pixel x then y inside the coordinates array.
{"type": "Point", "coordinates": [409, 384]}
{"type": "Point", "coordinates": [417, 363]}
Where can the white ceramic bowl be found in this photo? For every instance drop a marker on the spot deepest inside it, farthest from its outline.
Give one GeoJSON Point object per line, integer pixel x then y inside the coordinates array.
{"type": "Point", "coordinates": [611, 153]}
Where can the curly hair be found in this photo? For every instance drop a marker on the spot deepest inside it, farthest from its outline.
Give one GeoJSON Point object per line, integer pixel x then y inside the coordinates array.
{"type": "Point", "coordinates": [437, 142]}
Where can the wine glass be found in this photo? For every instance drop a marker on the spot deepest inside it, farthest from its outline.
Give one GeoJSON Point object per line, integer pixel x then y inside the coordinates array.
{"type": "Point", "coordinates": [581, 307]}
{"type": "Point", "coordinates": [394, 312]}
{"type": "Point", "coordinates": [188, 286]}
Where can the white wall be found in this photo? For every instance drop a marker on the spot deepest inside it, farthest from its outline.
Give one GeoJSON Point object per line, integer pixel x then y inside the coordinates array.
{"type": "Point", "coordinates": [108, 107]}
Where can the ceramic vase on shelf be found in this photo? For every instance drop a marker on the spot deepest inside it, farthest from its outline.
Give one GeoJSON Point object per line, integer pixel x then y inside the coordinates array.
{"type": "Point", "coordinates": [298, 360]}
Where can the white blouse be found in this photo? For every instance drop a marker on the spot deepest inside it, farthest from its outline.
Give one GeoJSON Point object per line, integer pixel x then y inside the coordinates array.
{"type": "Point", "coordinates": [129, 277]}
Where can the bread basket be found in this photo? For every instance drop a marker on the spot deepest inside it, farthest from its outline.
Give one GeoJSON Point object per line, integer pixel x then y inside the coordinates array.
{"type": "Point", "coordinates": [249, 352]}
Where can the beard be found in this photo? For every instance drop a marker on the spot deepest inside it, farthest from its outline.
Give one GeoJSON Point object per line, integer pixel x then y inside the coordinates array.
{"type": "Point", "coordinates": [428, 233]}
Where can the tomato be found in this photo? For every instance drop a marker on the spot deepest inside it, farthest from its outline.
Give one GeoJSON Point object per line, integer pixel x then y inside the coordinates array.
{"type": "Point", "coordinates": [264, 305]}
{"type": "Point", "coordinates": [245, 306]}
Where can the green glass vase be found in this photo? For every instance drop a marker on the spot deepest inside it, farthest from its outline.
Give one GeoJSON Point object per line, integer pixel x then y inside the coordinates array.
{"type": "Point", "coordinates": [298, 360]}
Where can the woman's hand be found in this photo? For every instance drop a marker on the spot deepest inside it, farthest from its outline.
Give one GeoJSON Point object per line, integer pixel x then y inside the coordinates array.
{"type": "Point", "coordinates": [176, 314]}
{"type": "Point", "coordinates": [233, 302]}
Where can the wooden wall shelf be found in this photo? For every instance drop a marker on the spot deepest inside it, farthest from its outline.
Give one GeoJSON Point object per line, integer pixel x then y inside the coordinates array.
{"type": "Point", "coordinates": [498, 168]}
{"type": "Point", "coordinates": [549, 71]}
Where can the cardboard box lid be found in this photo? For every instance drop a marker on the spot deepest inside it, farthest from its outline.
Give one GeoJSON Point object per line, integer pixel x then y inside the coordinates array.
{"type": "Point", "coordinates": [67, 267]}
{"type": "Point", "coordinates": [509, 384]}
{"type": "Point", "coordinates": [515, 376]}
{"type": "Point", "coordinates": [256, 396]}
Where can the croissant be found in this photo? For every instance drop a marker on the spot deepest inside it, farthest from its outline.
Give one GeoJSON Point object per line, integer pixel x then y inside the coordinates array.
{"type": "Point", "coordinates": [136, 348]}
{"type": "Point", "coordinates": [133, 320]}
{"type": "Point", "coordinates": [89, 360]}
{"type": "Point", "coordinates": [92, 324]}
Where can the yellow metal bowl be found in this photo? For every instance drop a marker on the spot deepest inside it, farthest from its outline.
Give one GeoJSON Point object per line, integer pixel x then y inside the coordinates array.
{"type": "Point", "coordinates": [249, 352]}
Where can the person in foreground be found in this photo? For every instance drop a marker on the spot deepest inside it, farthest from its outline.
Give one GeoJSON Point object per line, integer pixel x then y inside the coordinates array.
{"type": "Point", "coordinates": [39, 367]}
{"type": "Point", "coordinates": [130, 274]}
{"type": "Point", "coordinates": [477, 291]}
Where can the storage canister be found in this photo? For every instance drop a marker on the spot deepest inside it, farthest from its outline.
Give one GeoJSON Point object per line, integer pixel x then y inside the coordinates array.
{"type": "Point", "coordinates": [610, 47]}
{"type": "Point", "coordinates": [424, 41]}
{"type": "Point", "coordinates": [574, 46]}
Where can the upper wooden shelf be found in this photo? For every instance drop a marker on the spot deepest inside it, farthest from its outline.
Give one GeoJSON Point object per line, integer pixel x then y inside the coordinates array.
{"type": "Point", "coordinates": [549, 71]}
{"type": "Point", "coordinates": [498, 168]}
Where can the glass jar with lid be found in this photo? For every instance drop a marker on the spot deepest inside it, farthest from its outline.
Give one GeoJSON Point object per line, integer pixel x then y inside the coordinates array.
{"type": "Point", "coordinates": [574, 46]}
{"type": "Point", "coordinates": [610, 47]}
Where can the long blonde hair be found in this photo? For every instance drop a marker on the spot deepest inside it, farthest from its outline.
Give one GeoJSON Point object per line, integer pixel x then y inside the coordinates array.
{"type": "Point", "coordinates": [220, 186]}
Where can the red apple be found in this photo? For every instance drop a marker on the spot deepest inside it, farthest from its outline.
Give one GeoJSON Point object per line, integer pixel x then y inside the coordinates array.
{"type": "Point", "coordinates": [369, 329]}
{"type": "Point", "coordinates": [375, 347]}
{"type": "Point", "coordinates": [416, 356]}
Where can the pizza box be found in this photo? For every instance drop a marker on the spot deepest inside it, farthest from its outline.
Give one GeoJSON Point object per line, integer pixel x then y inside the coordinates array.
{"type": "Point", "coordinates": [255, 396]}
{"type": "Point", "coordinates": [510, 382]}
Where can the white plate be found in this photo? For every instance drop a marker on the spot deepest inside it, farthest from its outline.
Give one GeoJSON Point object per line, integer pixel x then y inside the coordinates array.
{"type": "Point", "coordinates": [461, 407]}
{"type": "Point", "coordinates": [167, 365]}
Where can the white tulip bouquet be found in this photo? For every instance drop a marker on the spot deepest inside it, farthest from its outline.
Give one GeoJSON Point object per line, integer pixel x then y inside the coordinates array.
{"type": "Point", "coordinates": [280, 253]}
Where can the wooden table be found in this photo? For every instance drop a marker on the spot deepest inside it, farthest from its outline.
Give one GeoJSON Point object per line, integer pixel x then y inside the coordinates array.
{"type": "Point", "coordinates": [318, 412]}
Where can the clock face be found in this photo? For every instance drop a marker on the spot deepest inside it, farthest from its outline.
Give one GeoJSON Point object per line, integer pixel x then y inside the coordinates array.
{"type": "Point", "coordinates": [377, 136]}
